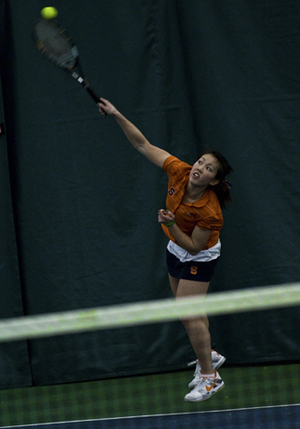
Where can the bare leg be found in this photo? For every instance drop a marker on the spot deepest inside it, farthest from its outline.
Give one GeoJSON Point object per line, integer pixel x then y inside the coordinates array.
{"type": "Point", "coordinates": [197, 328]}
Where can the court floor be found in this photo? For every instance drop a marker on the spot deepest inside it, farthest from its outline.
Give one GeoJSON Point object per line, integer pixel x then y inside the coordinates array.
{"type": "Point", "coordinates": [277, 417]}
{"type": "Point", "coordinates": [254, 397]}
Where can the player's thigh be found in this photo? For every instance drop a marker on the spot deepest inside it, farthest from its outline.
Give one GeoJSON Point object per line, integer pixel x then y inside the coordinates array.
{"type": "Point", "coordinates": [174, 284]}
{"type": "Point", "coordinates": [191, 287]}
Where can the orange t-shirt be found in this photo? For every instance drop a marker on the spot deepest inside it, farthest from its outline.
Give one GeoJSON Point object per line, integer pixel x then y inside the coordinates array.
{"type": "Point", "coordinates": [206, 212]}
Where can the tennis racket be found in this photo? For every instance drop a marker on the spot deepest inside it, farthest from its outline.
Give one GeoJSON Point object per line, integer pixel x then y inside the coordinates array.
{"type": "Point", "coordinates": [52, 40]}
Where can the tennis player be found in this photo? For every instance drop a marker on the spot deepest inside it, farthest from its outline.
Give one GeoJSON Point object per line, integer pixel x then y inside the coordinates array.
{"type": "Point", "coordinates": [192, 221]}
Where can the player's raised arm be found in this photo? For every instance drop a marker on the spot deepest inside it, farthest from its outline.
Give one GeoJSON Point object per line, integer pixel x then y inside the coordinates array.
{"type": "Point", "coordinates": [156, 155]}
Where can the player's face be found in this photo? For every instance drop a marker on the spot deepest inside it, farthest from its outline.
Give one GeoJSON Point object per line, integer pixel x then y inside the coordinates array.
{"type": "Point", "coordinates": [204, 171]}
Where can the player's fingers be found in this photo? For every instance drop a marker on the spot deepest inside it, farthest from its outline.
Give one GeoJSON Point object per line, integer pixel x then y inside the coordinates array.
{"type": "Point", "coordinates": [100, 106]}
{"type": "Point", "coordinates": [104, 102]}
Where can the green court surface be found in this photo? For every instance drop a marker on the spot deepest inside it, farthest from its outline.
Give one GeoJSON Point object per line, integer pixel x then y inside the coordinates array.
{"type": "Point", "coordinates": [245, 387]}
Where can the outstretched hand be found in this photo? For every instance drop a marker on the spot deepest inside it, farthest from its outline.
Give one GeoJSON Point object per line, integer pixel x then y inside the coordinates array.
{"type": "Point", "coordinates": [106, 108]}
{"type": "Point", "coordinates": [164, 216]}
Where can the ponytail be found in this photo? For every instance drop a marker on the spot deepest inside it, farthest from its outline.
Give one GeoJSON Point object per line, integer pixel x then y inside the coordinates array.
{"type": "Point", "coordinates": [222, 189]}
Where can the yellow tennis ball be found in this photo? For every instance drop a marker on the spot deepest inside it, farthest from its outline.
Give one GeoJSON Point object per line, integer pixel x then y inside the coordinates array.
{"type": "Point", "coordinates": [49, 12]}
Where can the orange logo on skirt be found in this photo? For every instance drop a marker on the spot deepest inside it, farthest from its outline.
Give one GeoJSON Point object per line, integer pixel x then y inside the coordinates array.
{"type": "Point", "coordinates": [194, 270]}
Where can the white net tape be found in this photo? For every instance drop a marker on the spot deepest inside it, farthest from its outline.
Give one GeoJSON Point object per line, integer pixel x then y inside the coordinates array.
{"type": "Point", "coordinates": [120, 316]}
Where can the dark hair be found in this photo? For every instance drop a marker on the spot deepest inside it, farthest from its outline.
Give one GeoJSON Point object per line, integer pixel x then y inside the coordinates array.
{"type": "Point", "coordinates": [222, 189]}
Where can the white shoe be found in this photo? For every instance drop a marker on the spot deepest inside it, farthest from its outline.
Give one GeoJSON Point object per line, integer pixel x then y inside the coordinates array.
{"type": "Point", "coordinates": [217, 361]}
{"type": "Point", "coordinates": [205, 388]}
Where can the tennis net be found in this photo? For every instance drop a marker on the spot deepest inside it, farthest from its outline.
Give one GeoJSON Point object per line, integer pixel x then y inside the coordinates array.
{"type": "Point", "coordinates": [263, 394]}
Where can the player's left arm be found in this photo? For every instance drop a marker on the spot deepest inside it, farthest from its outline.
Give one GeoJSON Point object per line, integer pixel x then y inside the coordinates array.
{"type": "Point", "coordinates": [192, 244]}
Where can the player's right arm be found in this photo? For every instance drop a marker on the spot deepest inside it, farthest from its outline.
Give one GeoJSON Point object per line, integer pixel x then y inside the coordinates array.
{"type": "Point", "coordinates": [156, 155]}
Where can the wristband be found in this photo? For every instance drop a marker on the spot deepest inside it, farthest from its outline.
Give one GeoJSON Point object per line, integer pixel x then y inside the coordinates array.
{"type": "Point", "coordinates": [170, 223]}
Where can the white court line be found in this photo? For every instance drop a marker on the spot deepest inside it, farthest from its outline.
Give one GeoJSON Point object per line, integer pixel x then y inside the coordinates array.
{"type": "Point", "coordinates": [230, 410]}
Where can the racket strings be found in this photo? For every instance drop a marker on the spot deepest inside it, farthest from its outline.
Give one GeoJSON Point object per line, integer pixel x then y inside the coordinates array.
{"type": "Point", "coordinates": [55, 44]}
{"type": "Point", "coordinates": [53, 41]}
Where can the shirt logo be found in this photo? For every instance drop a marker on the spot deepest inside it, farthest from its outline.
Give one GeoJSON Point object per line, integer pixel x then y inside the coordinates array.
{"type": "Point", "coordinates": [171, 191]}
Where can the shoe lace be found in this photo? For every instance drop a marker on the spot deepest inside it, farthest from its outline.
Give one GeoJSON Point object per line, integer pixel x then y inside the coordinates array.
{"type": "Point", "coordinates": [194, 362]}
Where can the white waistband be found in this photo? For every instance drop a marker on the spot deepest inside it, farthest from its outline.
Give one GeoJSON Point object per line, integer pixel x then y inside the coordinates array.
{"type": "Point", "coordinates": [203, 256]}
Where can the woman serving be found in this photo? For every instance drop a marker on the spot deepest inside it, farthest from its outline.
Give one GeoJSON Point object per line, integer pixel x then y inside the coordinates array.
{"type": "Point", "coordinates": [192, 221]}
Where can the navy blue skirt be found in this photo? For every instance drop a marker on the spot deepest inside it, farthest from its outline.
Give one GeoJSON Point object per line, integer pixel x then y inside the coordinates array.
{"type": "Point", "coordinates": [191, 270]}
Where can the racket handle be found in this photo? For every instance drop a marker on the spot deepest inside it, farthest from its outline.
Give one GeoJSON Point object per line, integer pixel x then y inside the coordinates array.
{"type": "Point", "coordinates": [92, 94]}
{"type": "Point", "coordinates": [86, 86]}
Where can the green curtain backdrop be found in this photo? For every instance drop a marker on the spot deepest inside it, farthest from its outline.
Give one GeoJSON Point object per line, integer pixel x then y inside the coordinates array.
{"type": "Point", "coordinates": [190, 75]}
{"type": "Point", "coordinates": [14, 358]}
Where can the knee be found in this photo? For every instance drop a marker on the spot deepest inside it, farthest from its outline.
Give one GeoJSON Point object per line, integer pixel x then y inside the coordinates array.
{"type": "Point", "coordinates": [196, 322]}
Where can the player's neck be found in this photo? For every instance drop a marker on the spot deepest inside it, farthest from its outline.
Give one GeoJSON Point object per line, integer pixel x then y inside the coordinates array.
{"type": "Point", "coordinates": [193, 193]}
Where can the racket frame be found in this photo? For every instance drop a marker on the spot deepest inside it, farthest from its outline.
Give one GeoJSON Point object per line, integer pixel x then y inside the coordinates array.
{"type": "Point", "coordinates": [75, 69]}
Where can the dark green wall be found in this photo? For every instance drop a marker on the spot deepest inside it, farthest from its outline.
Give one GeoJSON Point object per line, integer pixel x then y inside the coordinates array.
{"type": "Point", "coordinates": [223, 74]}
{"type": "Point", "coordinates": [14, 359]}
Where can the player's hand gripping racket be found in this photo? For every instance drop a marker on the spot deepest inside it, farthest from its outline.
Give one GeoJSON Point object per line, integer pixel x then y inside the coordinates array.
{"type": "Point", "coordinates": [53, 41]}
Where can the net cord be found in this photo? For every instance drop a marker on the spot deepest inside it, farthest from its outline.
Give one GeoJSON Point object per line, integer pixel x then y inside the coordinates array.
{"type": "Point", "coordinates": [165, 310]}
